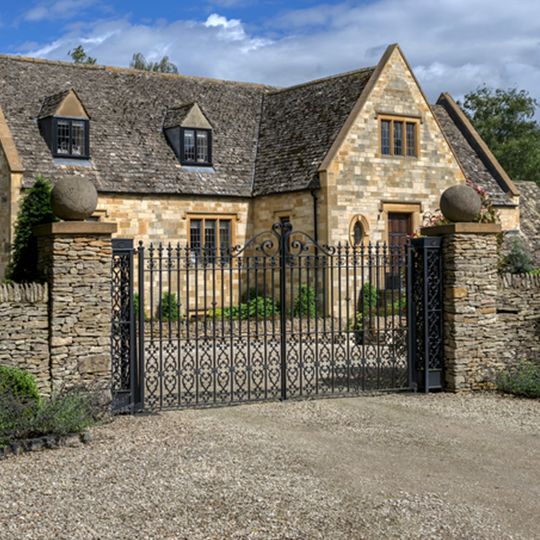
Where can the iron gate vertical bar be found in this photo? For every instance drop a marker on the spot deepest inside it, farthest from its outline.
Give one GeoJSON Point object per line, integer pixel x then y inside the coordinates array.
{"type": "Point", "coordinates": [139, 398]}
{"type": "Point", "coordinates": [425, 340]}
{"type": "Point", "coordinates": [132, 337]}
{"type": "Point", "coordinates": [411, 333]}
{"type": "Point", "coordinates": [283, 239]}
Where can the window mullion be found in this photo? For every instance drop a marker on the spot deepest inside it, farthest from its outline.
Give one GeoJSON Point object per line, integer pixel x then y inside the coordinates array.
{"type": "Point", "coordinates": [405, 150]}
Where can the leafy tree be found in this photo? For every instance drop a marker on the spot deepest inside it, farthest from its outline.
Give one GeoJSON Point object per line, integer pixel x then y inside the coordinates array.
{"type": "Point", "coordinates": [79, 56]}
{"type": "Point", "coordinates": [505, 120]}
{"type": "Point", "coordinates": [138, 61]}
{"type": "Point", "coordinates": [35, 209]}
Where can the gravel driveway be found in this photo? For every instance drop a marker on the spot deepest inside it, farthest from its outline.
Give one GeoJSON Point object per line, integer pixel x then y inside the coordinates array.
{"type": "Point", "coordinates": [392, 466]}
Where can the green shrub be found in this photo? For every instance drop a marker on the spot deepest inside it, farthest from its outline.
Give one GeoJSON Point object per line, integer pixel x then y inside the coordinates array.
{"type": "Point", "coordinates": [520, 380]}
{"type": "Point", "coordinates": [370, 296]}
{"type": "Point", "coordinates": [16, 418]}
{"type": "Point", "coordinates": [18, 383]}
{"type": "Point", "coordinates": [518, 260]}
{"type": "Point", "coordinates": [168, 307]}
{"type": "Point", "coordinates": [68, 412]}
{"type": "Point", "coordinates": [535, 272]}
{"type": "Point", "coordinates": [35, 210]}
{"type": "Point", "coordinates": [261, 307]}
{"type": "Point", "coordinates": [362, 321]}
{"type": "Point", "coordinates": [398, 306]}
{"type": "Point", "coordinates": [305, 303]}
{"type": "Point", "coordinates": [64, 413]}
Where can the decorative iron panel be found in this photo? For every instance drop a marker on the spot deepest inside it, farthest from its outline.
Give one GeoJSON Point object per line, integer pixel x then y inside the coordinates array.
{"type": "Point", "coordinates": [122, 326]}
{"type": "Point", "coordinates": [426, 314]}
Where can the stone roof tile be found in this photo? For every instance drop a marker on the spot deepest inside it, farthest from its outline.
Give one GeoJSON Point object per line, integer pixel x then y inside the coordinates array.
{"type": "Point", "coordinates": [299, 125]}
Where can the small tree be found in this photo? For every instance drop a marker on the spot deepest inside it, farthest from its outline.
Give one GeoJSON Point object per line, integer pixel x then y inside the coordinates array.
{"type": "Point", "coordinates": [35, 210]}
{"type": "Point", "coordinates": [79, 56]}
{"type": "Point", "coordinates": [138, 61]}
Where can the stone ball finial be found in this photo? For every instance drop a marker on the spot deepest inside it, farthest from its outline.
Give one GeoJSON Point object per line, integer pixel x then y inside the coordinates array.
{"type": "Point", "coordinates": [74, 198]}
{"type": "Point", "coordinates": [460, 203]}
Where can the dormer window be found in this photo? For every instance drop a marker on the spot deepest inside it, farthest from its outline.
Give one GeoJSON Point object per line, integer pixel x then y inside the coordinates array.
{"type": "Point", "coordinates": [196, 146]}
{"type": "Point", "coordinates": [189, 134]}
{"type": "Point", "coordinates": [70, 138]}
{"type": "Point", "coordinates": [65, 125]}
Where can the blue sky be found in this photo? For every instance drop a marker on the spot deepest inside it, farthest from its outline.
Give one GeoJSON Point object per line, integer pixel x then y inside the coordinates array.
{"type": "Point", "coordinates": [453, 45]}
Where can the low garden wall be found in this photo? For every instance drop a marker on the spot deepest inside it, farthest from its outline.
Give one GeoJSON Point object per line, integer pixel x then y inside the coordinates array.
{"type": "Point", "coordinates": [518, 318]}
{"type": "Point", "coordinates": [24, 330]}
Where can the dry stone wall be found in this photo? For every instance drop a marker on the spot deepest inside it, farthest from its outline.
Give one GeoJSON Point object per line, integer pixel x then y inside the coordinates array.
{"type": "Point", "coordinates": [471, 349]}
{"type": "Point", "coordinates": [24, 330]}
{"type": "Point", "coordinates": [78, 270]}
{"type": "Point", "coordinates": [518, 313]}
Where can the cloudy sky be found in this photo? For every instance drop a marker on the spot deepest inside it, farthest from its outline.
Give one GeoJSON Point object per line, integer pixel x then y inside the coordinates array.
{"type": "Point", "coordinates": [453, 45]}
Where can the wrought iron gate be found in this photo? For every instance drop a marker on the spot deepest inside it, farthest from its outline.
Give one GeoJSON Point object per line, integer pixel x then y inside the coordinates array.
{"type": "Point", "coordinates": [280, 317]}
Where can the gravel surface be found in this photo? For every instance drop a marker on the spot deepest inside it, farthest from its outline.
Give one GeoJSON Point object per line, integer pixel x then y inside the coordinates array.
{"type": "Point", "coordinates": [391, 466]}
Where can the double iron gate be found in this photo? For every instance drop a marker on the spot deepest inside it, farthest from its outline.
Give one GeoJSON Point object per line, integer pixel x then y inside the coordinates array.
{"type": "Point", "coordinates": [280, 317]}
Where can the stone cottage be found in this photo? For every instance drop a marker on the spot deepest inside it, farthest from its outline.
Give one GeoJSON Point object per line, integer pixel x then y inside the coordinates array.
{"type": "Point", "coordinates": [353, 157]}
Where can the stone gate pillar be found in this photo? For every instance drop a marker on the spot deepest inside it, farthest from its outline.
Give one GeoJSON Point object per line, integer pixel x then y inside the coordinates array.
{"type": "Point", "coordinates": [470, 259]}
{"type": "Point", "coordinates": [75, 260]}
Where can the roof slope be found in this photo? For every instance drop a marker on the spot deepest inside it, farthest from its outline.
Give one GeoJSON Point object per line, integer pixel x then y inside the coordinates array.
{"type": "Point", "coordinates": [128, 149]}
{"type": "Point", "coordinates": [299, 125]}
{"type": "Point", "coordinates": [529, 210]}
{"type": "Point", "coordinates": [479, 165]}
{"type": "Point", "coordinates": [265, 140]}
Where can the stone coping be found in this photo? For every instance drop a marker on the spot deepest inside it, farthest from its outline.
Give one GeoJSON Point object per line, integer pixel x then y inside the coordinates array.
{"type": "Point", "coordinates": [75, 228]}
{"type": "Point", "coordinates": [461, 228]}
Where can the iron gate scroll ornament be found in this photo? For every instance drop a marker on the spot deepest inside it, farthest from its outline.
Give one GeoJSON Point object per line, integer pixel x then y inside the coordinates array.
{"type": "Point", "coordinates": [281, 317]}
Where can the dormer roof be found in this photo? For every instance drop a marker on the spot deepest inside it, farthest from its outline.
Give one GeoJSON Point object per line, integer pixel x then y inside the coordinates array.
{"type": "Point", "coordinates": [64, 103]}
{"type": "Point", "coordinates": [188, 115]}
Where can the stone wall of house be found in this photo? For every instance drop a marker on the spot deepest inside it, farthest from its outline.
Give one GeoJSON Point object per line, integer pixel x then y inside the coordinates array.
{"type": "Point", "coordinates": [297, 206]}
{"type": "Point", "coordinates": [24, 331]}
{"type": "Point", "coordinates": [518, 318]}
{"type": "Point", "coordinates": [5, 223]}
{"type": "Point", "coordinates": [162, 218]}
{"type": "Point", "coordinates": [157, 218]}
{"type": "Point", "coordinates": [360, 180]}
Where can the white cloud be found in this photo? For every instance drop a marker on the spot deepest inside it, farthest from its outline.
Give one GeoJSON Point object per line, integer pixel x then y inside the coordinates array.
{"type": "Point", "coordinates": [453, 45]}
{"type": "Point", "coordinates": [59, 9]}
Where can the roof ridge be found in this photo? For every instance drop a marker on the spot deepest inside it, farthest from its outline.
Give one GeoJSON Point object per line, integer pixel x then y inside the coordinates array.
{"type": "Point", "coordinates": [322, 79]}
{"type": "Point", "coordinates": [128, 71]}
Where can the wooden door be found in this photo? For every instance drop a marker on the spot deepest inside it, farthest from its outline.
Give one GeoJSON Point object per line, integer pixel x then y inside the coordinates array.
{"type": "Point", "coordinates": [399, 231]}
{"type": "Point", "coordinates": [399, 228]}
